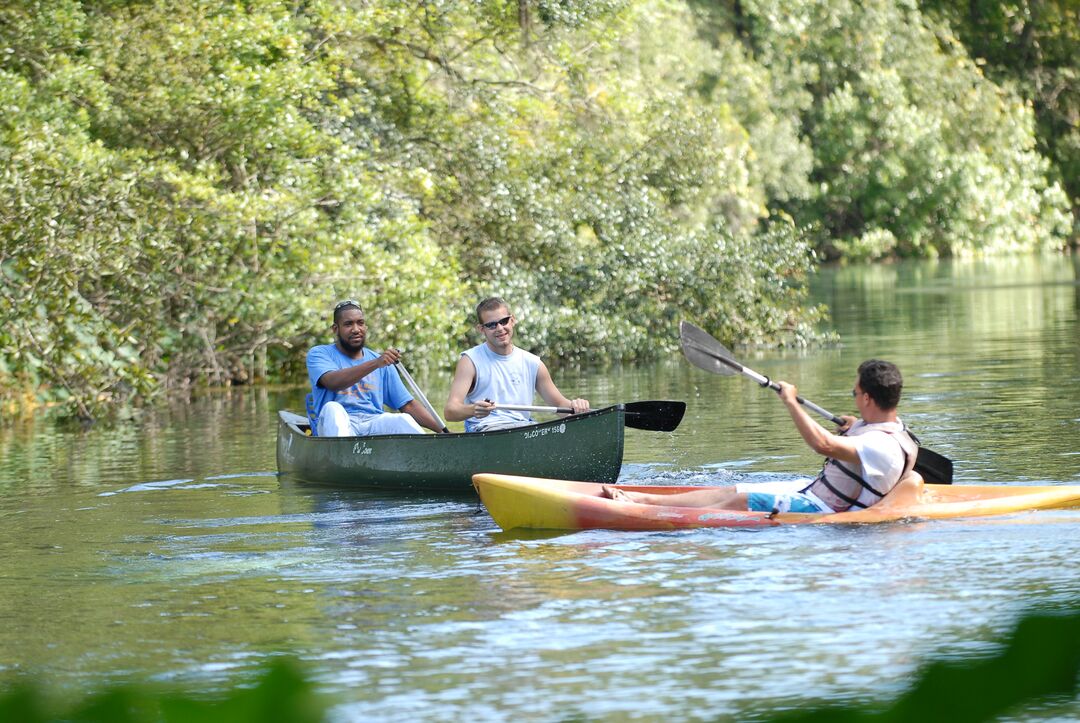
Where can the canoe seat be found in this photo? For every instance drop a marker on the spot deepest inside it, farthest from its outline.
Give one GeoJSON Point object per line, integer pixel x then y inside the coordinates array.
{"type": "Point", "coordinates": [908, 491]}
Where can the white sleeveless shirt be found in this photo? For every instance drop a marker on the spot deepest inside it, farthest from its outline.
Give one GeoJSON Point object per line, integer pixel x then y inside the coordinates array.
{"type": "Point", "coordinates": [509, 379]}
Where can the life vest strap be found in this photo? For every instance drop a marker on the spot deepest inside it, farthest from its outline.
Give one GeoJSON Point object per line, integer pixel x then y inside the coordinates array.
{"type": "Point", "coordinates": [857, 477]}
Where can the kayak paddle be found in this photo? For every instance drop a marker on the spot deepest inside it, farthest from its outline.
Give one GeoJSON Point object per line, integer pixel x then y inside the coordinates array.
{"type": "Point", "coordinates": [705, 352]}
{"type": "Point", "coordinates": [420, 395]}
{"type": "Point", "coordinates": [655, 416]}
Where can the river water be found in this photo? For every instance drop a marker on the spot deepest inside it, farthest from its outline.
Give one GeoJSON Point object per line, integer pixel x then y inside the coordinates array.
{"type": "Point", "coordinates": [172, 552]}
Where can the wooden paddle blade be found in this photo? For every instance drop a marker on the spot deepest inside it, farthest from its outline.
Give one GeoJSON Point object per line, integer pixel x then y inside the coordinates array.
{"type": "Point", "coordinates": [657, 416]}
{"type": "Point", "coordinates": [935, 468]}
{"type": "Point", "coordinates": [705, 352]}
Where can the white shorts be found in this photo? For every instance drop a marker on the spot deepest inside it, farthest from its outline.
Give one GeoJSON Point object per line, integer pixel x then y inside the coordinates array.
{"type": "Point", "coordinates": [334, 421]}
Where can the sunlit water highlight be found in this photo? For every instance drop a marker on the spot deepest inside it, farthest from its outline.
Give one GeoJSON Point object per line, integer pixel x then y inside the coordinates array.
{"type": "Point", "coordinates": [174, 553]}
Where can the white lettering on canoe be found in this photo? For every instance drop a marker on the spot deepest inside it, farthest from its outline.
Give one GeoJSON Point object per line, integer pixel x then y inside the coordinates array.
{"type": "Point", "coordinates": [543, 432]}
{"type": "Point", "coordinates": [361, 448]}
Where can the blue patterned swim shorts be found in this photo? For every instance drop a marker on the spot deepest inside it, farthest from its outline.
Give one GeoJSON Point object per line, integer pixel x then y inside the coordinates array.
{"type": "Point", "coordinates": [787, 502]}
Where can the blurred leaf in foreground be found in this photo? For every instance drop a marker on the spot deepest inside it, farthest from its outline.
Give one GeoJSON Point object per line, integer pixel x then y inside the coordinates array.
{"type": "Point", "coordinates": [1040, 660]}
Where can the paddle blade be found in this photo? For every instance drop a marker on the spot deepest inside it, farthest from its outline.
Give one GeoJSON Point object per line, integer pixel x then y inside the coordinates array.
{"type": "Point", "coordinates": [935, 468]}
{"type": "Point", "coordinates": [705, 352]}
{"type": "Point", "coordinates": [658, 416]}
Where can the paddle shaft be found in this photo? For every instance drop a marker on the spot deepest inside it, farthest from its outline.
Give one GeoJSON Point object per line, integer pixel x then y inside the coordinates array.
{"type": "Point", "coordinates": [932, 465]}
{"type": "Point", "coordinates": [766, 382]}
{"type": "Point", "coordinates": [707, 353]}
{"type": "Point", "coordinates": [651, 416]}
{"type": "Point", "coordinates": [420, 395]}
{"type": "Point", "coordinates": [544, 410]}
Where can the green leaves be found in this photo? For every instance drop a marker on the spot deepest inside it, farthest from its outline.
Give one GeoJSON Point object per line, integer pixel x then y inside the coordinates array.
{"type": "Point", "coordinates": [916, 152]}
{"type": "Point", "coordinates": [1038, 662]}
{"type": "Point", "coordinates": [185, 188]}
{"type": "Point", "coordinates": [280, 693]}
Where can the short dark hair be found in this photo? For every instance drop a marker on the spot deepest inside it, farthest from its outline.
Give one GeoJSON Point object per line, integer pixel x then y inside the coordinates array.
{"type": "Point", "coordinates": [489, 304]}
{"type": "Point", "coordinates": [882, 381]}
{"type": "Point", "coordinates": [346, 304]}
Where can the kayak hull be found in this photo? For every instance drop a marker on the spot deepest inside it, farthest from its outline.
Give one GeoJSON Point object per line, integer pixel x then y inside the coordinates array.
{"type": "Point", "coordinates": [586, 446]}
{"type": "Point", "coordinates": [551, 504]}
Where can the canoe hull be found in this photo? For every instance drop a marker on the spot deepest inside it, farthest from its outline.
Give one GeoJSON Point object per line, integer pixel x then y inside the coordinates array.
{"type": "Point", "coordinates": [587, 446]}
{"type": "Point", "coordinates": [550, 504]}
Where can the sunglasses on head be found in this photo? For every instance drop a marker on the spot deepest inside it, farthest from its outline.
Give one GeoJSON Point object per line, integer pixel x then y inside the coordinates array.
{"type": "Point", "coordinates": [496, 324]}
{"type": "Point", "coordinates": [348, 302]}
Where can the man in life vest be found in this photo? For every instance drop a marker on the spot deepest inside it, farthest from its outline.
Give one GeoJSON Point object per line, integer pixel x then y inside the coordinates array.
{"type": "Point", "coordinates": [865, 458]}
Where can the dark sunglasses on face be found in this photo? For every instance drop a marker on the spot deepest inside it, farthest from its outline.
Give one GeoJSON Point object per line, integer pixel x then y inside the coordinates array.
{"type": "Point", "coordinates": [496, 324]}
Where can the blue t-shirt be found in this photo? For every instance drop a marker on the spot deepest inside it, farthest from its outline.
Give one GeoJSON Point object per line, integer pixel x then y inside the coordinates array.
{"type": "Point", "coordinates": [382, 386]}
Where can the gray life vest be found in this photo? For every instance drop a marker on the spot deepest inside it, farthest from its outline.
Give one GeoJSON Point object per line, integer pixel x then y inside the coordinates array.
{"type": "Point", "coordinates": [842, 488]}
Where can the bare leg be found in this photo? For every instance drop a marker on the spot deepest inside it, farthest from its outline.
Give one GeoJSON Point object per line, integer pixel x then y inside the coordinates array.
{"type": "Point", "coordinates": [723, 497]}
{"type": "Point", "coordinates": [623, 495]}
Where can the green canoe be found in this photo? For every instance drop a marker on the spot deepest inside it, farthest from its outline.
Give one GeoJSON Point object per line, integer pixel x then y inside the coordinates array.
{"type": "Point", "coordinates": [583, 447]}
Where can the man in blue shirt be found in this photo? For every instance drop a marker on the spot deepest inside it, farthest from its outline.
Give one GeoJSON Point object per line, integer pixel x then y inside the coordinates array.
{"type": "Point", "coordinates": [351, 384]}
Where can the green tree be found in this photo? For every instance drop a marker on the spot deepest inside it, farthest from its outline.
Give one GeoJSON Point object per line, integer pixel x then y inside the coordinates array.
{"type": "Point", "coordinates": [184, 196]}
{"type": "Point", "coordinates": [187, 187]}
{"type": "Point", "coordinates": [1030, 46]}
{"type": "Point", "coordinates": [915, 151]}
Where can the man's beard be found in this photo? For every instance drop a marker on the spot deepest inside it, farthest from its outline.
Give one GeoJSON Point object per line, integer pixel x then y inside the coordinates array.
{"type": "Point", "coordinates": [348, 346]}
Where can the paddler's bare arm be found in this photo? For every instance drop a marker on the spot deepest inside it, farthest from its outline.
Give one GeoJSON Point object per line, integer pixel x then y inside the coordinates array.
{"type": "Point", "coordinates": [820, 439]}
{"type": "Point", "coordinates": [551, 394]}
{"type": "Point", "coordinates": [456, 409]}
{"type": "Point", "coordinates": [341, 379]}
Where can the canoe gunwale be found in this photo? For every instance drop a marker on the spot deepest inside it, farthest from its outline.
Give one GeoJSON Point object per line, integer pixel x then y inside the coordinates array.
{"type": "Point", "coordinates": [298, 423]}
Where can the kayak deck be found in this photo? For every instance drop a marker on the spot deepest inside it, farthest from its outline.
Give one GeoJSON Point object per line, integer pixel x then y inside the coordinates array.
{"type": "Point", "coordinates": [550, 504]}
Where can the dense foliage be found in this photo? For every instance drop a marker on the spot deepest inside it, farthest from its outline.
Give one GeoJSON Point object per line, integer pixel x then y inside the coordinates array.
{"type": "Point", "coordinates": [916, 152]}
{"type": "Point", "coordinates": [185, 188]}
{"type": "Point", "coordinates": [1033, 48]}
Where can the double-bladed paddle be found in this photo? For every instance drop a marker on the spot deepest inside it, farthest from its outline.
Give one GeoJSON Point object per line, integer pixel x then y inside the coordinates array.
{"type": "Point", "coordinates": [705, 352]}
{"type": "Point", "coordinates": [654, 416]}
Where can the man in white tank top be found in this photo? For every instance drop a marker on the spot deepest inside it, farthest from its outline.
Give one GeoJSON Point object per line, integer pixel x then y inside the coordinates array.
{"type": "Point", "coordinates": [497, 372]}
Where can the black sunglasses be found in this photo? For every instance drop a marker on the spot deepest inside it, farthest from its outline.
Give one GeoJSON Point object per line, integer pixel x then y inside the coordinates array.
{"type": "Point", "coordinates": [496, 324]}
{"type": "Point", "coordinates": [348, 302]}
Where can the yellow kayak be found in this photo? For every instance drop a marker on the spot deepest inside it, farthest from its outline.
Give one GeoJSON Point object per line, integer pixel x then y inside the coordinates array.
{"type": "Point", "coordinates": [551, 504]}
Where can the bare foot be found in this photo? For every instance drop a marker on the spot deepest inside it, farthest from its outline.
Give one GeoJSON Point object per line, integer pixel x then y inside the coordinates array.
{"type": "Point", "coordinates": [614, 493]}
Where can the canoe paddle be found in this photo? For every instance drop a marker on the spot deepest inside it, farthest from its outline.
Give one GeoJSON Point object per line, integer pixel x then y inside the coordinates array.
{"type": "Point", "coordinates": [705, 352]}
{"type": "Point", "coordinates": [655, 416]}
{"type": "Point", "coordinates": [420, 395]}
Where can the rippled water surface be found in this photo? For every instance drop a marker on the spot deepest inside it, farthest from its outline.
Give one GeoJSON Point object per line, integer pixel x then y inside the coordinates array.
{"type": "Point", "coordinates": [173, 552]}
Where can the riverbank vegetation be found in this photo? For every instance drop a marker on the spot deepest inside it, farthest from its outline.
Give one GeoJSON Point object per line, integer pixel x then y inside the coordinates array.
{"type": "Point", "coordinates": [188, 187]}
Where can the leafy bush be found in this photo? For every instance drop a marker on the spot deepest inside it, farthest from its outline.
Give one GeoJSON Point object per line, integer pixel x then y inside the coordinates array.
{"type": "Point", "coordinates": [188, 187]}
{"type": "Point", "coordinates": [909, 137]}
